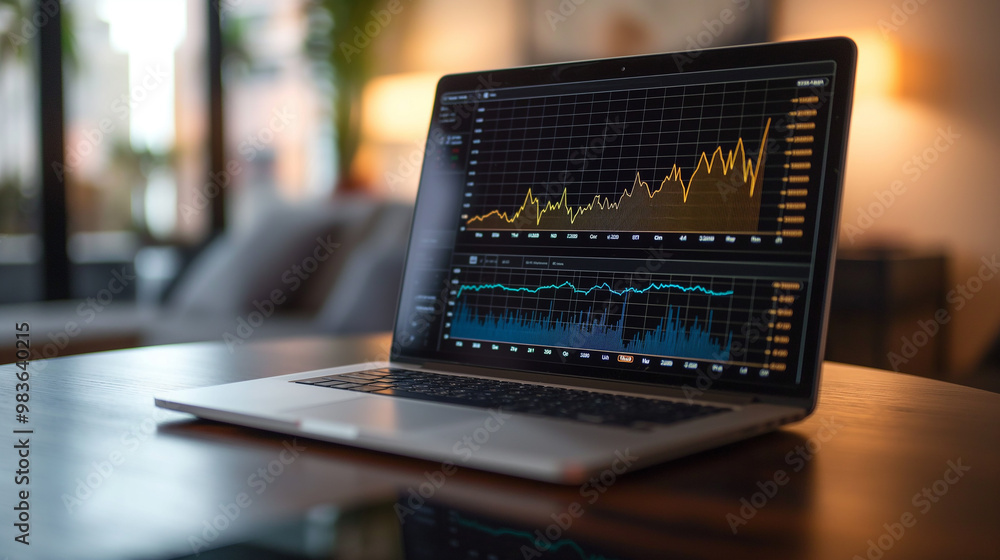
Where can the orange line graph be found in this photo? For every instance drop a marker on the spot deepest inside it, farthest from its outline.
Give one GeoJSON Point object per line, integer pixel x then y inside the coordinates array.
{"type": "Point", "coordinates": [718, 166]}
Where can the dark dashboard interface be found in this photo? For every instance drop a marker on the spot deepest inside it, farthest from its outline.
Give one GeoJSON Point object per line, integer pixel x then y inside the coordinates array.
{"type": "Point", "coordinates": [653, 227]}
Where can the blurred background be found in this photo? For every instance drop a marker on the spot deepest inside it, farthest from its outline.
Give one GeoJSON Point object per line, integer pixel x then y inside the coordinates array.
{"type": "Point", "coordinates": [164, 162]}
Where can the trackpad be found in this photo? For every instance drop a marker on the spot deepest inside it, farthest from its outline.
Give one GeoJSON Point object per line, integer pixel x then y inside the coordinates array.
{"type": "Point", "coordinates": [381, 414]}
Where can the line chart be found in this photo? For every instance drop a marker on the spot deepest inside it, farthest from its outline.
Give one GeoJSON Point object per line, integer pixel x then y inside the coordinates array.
{"type": "Point", "coordinates": [702, 203]}
{"type": "Point", "coordinates": [682, 316]}
{"type": "Point", "coordinates": [603, 285]}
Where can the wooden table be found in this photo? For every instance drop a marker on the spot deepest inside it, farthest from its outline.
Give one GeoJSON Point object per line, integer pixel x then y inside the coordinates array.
{"type": "Point", "coordinates": [111, 476]}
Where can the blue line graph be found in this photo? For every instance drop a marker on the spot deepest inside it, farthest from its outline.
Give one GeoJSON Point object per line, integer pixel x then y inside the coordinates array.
{"type": "Point", "coordinates": [603, 285]}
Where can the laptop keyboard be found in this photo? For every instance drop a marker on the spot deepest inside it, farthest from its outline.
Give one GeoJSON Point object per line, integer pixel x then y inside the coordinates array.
{"type": "Point", "coordinates": [510, 396]}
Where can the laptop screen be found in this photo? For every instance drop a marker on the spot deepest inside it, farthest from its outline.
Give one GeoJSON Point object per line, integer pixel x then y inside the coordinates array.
{"type": "Point", "coordinates": [664, 219]}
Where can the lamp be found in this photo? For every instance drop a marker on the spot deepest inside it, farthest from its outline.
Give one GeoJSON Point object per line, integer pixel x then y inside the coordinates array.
{"type": "Point", "coordinates": [396, 107]}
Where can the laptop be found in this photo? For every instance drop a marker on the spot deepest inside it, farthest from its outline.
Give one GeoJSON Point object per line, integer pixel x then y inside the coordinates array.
{"type": "Point", "coordinates": [612, 263]}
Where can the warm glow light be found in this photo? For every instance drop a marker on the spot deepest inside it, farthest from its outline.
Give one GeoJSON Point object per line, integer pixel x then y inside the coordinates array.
{"type": "Point", "coordinates": [397, 108]}
{"type": "Point", "coordinates": [878, 63]}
